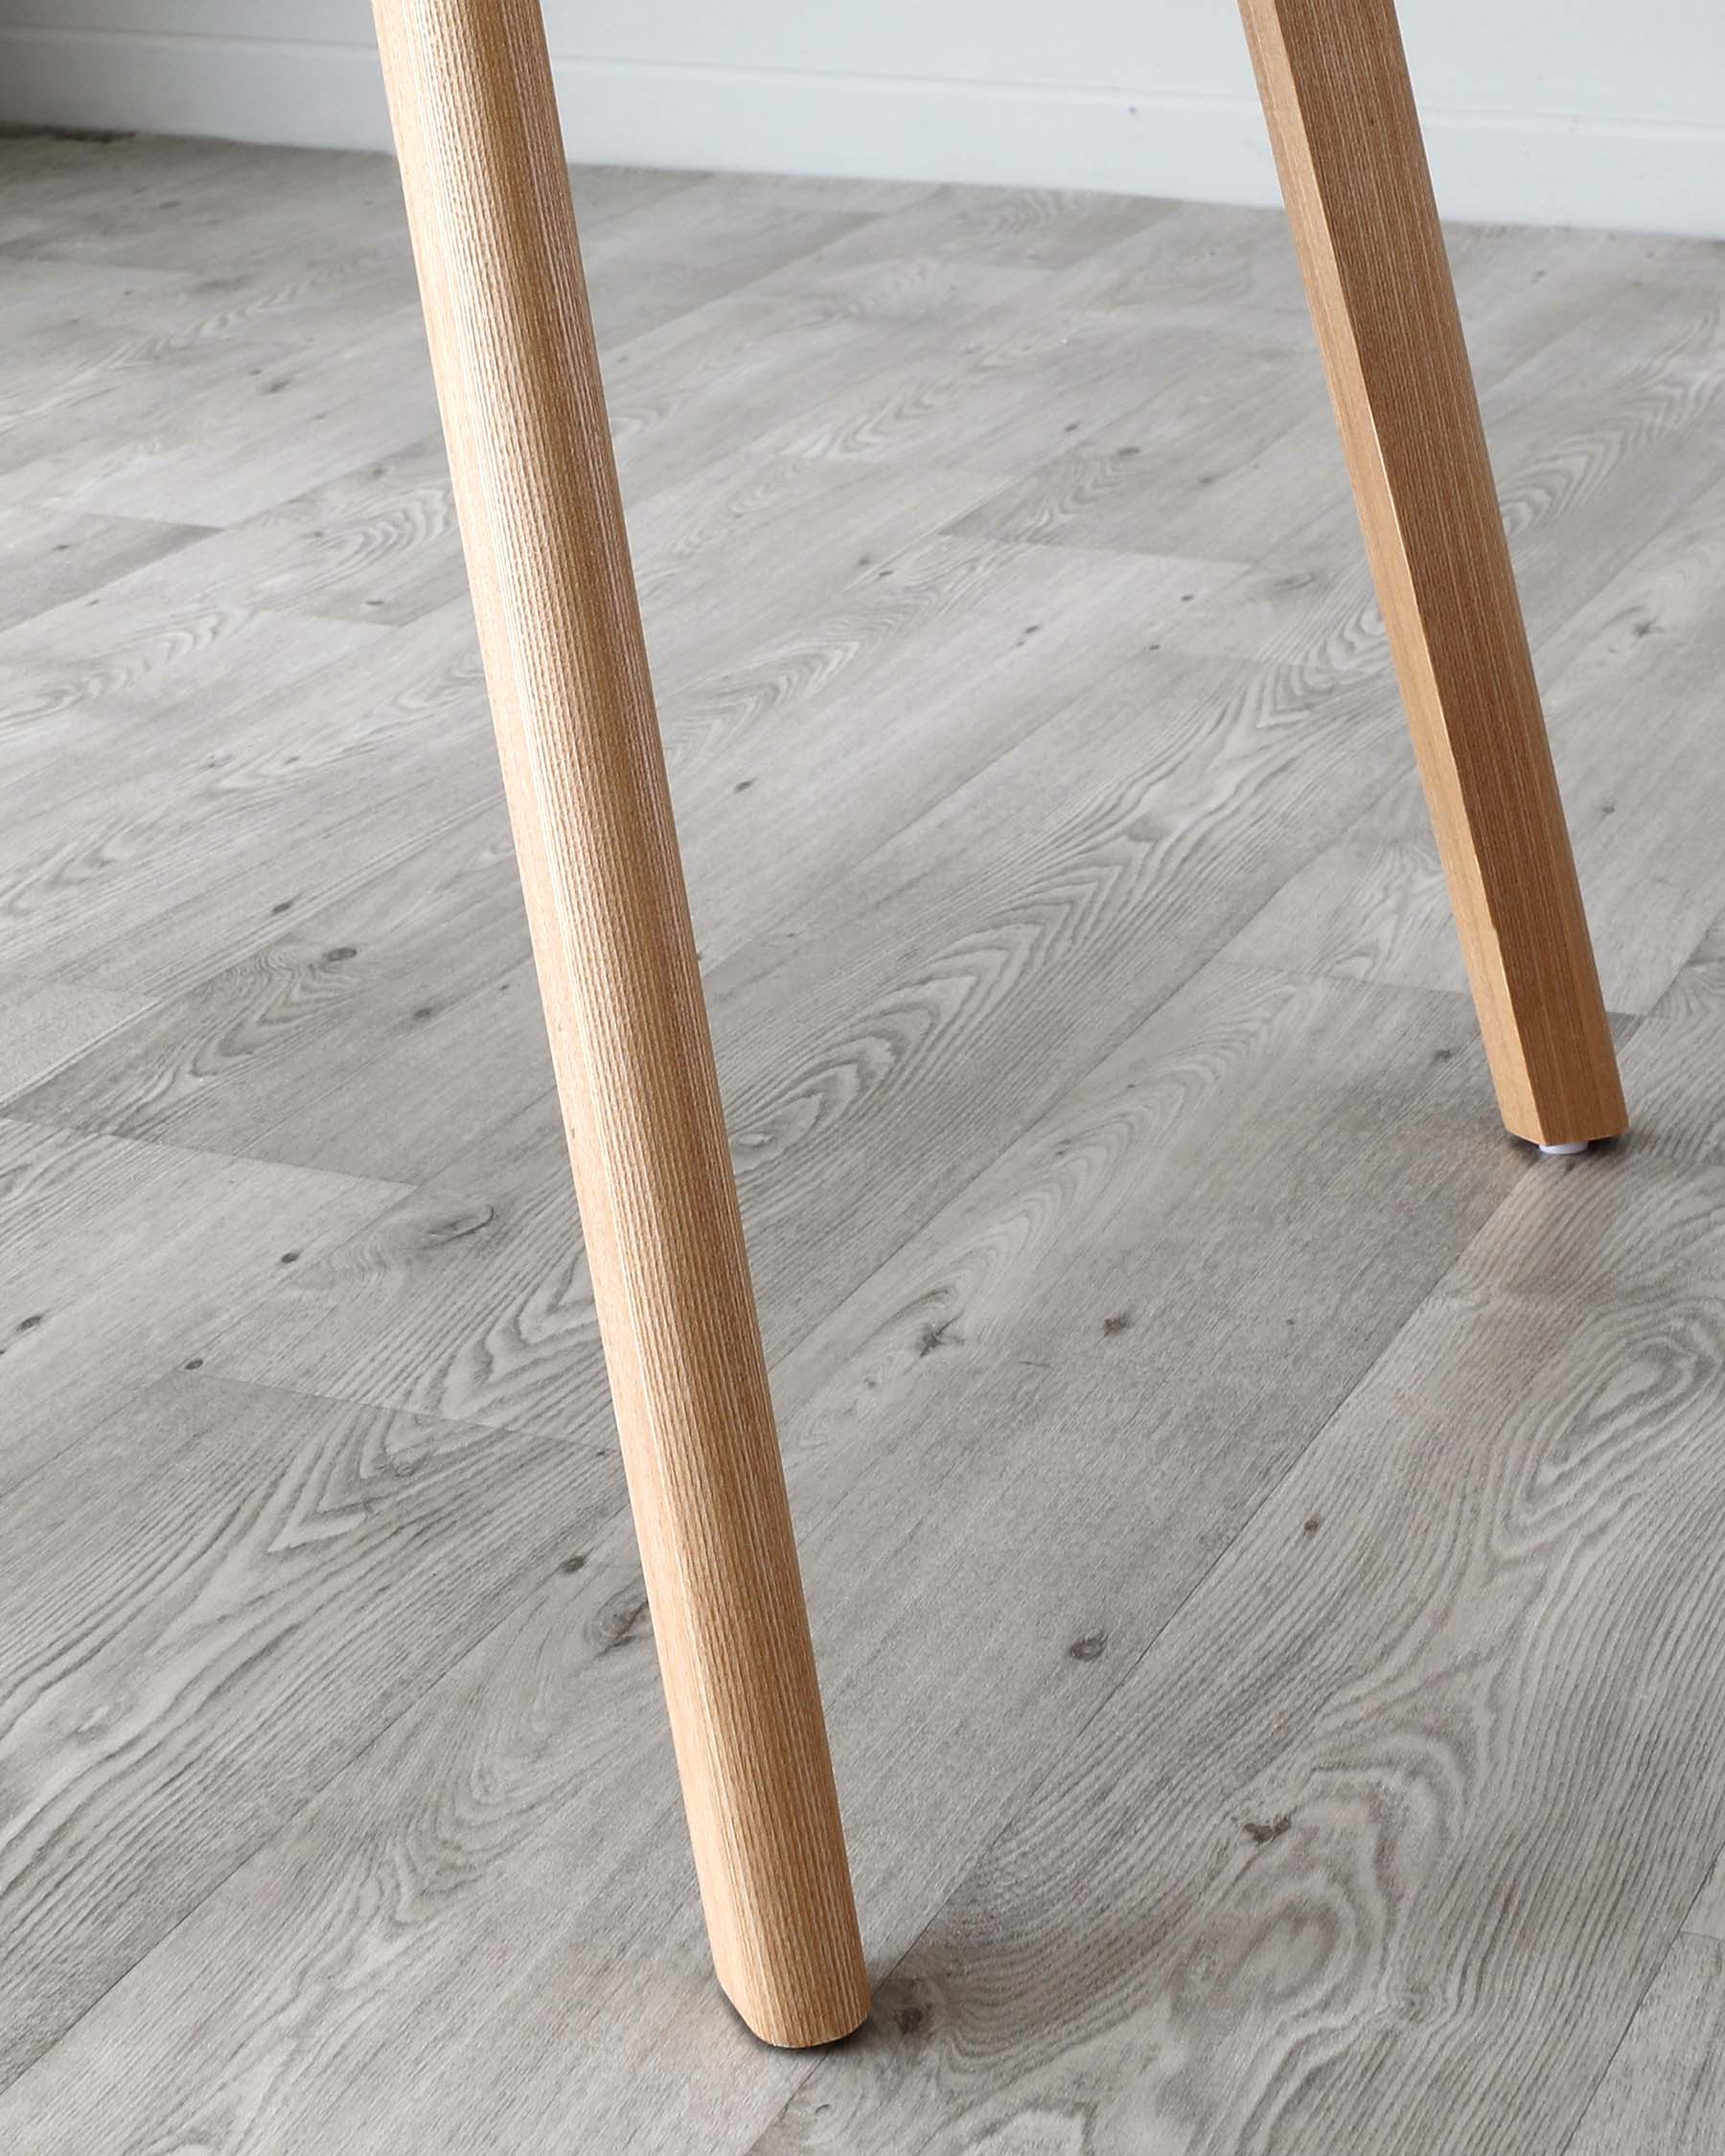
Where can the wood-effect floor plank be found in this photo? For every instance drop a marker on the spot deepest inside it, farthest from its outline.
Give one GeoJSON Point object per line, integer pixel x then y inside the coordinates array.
{"type": "Point", "coordinates": [1259, 1525]}
{"type": "Point", "coordinates": [1183, 793]}
{"type": "Point", "coordinates": [881, 707]}
{"type": "Point", "coordinates": [915, 1447]}
{"type": "Point", "coordinates": [50, 1022]}
{"type": "Point", "coordinates": [118, 1254]}
{"type": "Point", "coordinates": [1664, 2093]}
{"type": "Point", "coordinates": [222, 1574]}
{"type": "Point", "coordinates": [1637, 821]}
{"type": "Point", "coordinates": [916, 1016]}
{"type": "Point", "coordinates": [1398, 1785]}
{"type": "Point", "coordinates": [48, 557]}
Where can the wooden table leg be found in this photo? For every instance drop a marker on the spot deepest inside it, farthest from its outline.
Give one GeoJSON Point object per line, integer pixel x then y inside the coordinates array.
{"type": "Point", "coordinates": [1353, 171]}
{"type": "Point", "coordinates": [493, 234]}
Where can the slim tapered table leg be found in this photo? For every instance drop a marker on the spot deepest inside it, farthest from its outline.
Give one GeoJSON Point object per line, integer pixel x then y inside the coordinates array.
{"type": "Point", "coordinates": [494, 235]}
{"type": "Point", "coordinates": [1353, 171]}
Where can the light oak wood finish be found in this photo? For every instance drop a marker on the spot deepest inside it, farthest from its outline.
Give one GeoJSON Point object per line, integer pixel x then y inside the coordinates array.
{"type": "Point", "coordinates": [1336, 92]}
{"type": "Point", "coordinates": [518, 375]}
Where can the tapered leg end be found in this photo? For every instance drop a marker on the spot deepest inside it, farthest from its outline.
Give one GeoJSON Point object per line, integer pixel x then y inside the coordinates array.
{"type": "Point", "coordinates": [804, 2022]}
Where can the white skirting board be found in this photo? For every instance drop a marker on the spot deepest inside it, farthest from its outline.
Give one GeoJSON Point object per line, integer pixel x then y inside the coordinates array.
{"type": "Point", "coordinates": [1656, 175]}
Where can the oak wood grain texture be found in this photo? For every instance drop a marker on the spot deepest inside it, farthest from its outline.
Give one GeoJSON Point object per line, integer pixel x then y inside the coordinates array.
{"type": "Point", "coordinates": [1664, 2093]}
{"type": "Point", "coordinates": [889, 1038]}
{"type": "Point", "coordinates": [977, 870]}
{"type": "Point", "coordinates": [229, 810]}
{"type": "Point", "coordinates": [1227, 437]}
{"type": "Point", "coordinates": [1021, 1411]}
{"type": "Point", "coordinates": [1647, 637]}
{"type": "Point", "coordinates": [501, 1879]}
{"type": "Point", "coordinates": [50, 1022]}
{"type": "Point", "coordinates": [1335, 90]}
{"type": "Point", "coordinates": [1606, 442]}
{"type": "Point", "coordinates": [1708, 1915]}
{"type": "Point", "coordinates": [289, 418]}
{"type": "Point", "coordinates": [726, 371]}
{"type": "Point", "coordinates": [1002, 950]}
{"type": "Point", "coordinates": [1675, 1055]}
{"type": "Point", "coordinates": [421, 962]}
{"type": "Point", "coordinates": [137, 657]}
{"type": "Point", "coordinates": [905, 684]}
{"type": "Point", "coordinates": [1235, 437]}
{"type": "Point", "coordinates": [218, 1573]}
{"type": "Point", "coordinates": [378, 544]}
{"type": "Point", "coordinates": [518, 375]}
{"type": "Point", "coordinates": [704, 241]}
{"type": "Point", "coordinates": [1405, 1800]}
{"type": "Point", "coordinates": [45, 558]}
{"type": "Point", "coordinates": [182, 1235]}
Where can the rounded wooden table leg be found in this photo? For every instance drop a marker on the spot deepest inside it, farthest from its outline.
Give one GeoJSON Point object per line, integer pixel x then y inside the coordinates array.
{"type": "Point", "coordinates": [1347, 144]}
{"type": "Point", "coordinates": [493, 234]}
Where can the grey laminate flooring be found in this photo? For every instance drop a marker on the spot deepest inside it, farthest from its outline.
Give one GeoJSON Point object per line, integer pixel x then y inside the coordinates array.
{"type": "Point", "coordinates": [1265, 1531]}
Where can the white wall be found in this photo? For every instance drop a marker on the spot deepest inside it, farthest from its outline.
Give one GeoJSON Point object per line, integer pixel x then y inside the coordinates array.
{"type": "Point", "coordinates": [1565, 111]}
